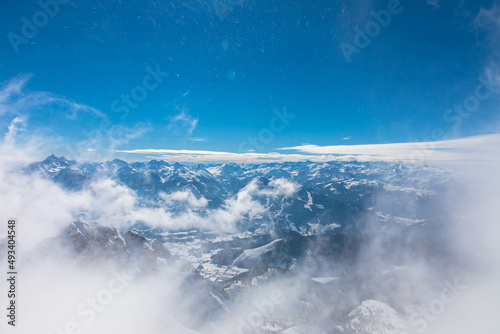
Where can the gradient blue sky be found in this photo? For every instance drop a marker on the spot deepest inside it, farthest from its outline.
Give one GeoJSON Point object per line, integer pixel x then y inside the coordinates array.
{"type": "Point", "coordinates": [230, 67]}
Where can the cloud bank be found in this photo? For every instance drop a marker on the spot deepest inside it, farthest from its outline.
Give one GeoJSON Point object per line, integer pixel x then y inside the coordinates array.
{"type": "Point", "coordinates": [477, 148]}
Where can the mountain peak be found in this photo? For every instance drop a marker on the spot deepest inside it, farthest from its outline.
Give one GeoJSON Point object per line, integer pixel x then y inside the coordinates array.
{"type": "Point", "coordinates": [52, 158]}
{"type": "Point", "coordinates": [53, 163]}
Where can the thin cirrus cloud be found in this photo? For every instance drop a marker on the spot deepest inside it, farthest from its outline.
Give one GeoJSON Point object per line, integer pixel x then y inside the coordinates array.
{"type": "Point", "coordinates": [15, 98]}
{"type": "Point", "coordinates": [183, 122]}
{"type": "Point", "coordinates": [18, 104]}
{"type": "Point", "coordinates": [197, 139]}
{"type": "Point", "coordinates": [433, 3]}
{"type": "Point", "coordinates": [478, 147]}
{"type": "Point", "coordinates": [488, 20]}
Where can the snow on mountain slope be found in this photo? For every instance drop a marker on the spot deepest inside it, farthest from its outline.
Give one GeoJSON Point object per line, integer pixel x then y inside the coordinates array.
{"type": "Point", "coordinates": [254, 255]}
{"type": "Point", "coordinates": [334, 232]}
{"type": "Point", "coordinates": [88, 242]}
{"type": "Point", "coordinates": [375, 317]}
{"type": "Point", "coordinates": [328, 196]}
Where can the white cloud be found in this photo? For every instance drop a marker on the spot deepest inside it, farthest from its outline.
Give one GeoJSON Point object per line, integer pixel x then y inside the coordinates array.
{"type": "Point", "coordinates": [214, 156]}
{"type": "Point", "coordinates": [16, 99]}
{"type": "Point", "coordinates": [12, 88]}
{"type": "Point", "coordinates": [184, 197]}
{"type": "Point", "coordinates": [280, 188]}
{"type": "Point", "coordinates": [17, 148]}
{"type": "Point", "coordinates": [183, 122]}
{"type": "Point", "coordinates": [197, 139]}
{"type": "Point", "coordinates": [20, 104]}
{"type": "Point", "coordinates": [45, 208]}
{"type": "Point", "coordinates": [117, 205]}
{"type": "Point", "coordinates": [489, 19]}
{"type": "Point", "coordinates": [246, 203]}
{"type": "Point", "coordinates": [477, 147]}
{"type": "Point", "coordinates": [14, 127]}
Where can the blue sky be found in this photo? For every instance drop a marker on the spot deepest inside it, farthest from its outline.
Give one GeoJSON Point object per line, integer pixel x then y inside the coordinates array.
{"type": "Point", "coordinates": [234, 65]}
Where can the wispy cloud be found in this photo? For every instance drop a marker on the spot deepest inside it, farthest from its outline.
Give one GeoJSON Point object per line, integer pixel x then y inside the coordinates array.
{"type": "Point", "coordinates": [488, 20]}
{"type": "Point", "coordinates": [13, 88]}
{"type": "Point", "coordinates": [16, 99]}
{"type": "Point", "coordinates": [123, 135]}
{"type": "Point", "coordinates": [478, 147]}
{"type": "Point", "coordinates": [197, 139]}
{"type": "Point", "coordinates": [183, 122]}
{"type": "Point", "coordinates": [14, 127]}
{"type": "Point", "coordinates": [433, 3]}
{"type": "Point", "coordinates": [18, 104]}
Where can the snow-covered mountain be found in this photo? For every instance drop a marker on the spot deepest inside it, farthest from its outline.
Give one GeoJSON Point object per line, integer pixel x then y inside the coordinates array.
{"type": "Point", "coordinates": [339, 241]}
{"type": "Point", "coordinates": [309, 198]}
{"type": "Point", "coordinates": [88, 242]}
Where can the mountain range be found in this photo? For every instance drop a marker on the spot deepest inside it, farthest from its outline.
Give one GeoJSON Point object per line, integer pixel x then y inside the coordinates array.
{"type": "Point", "coordinates": [341, 240]}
